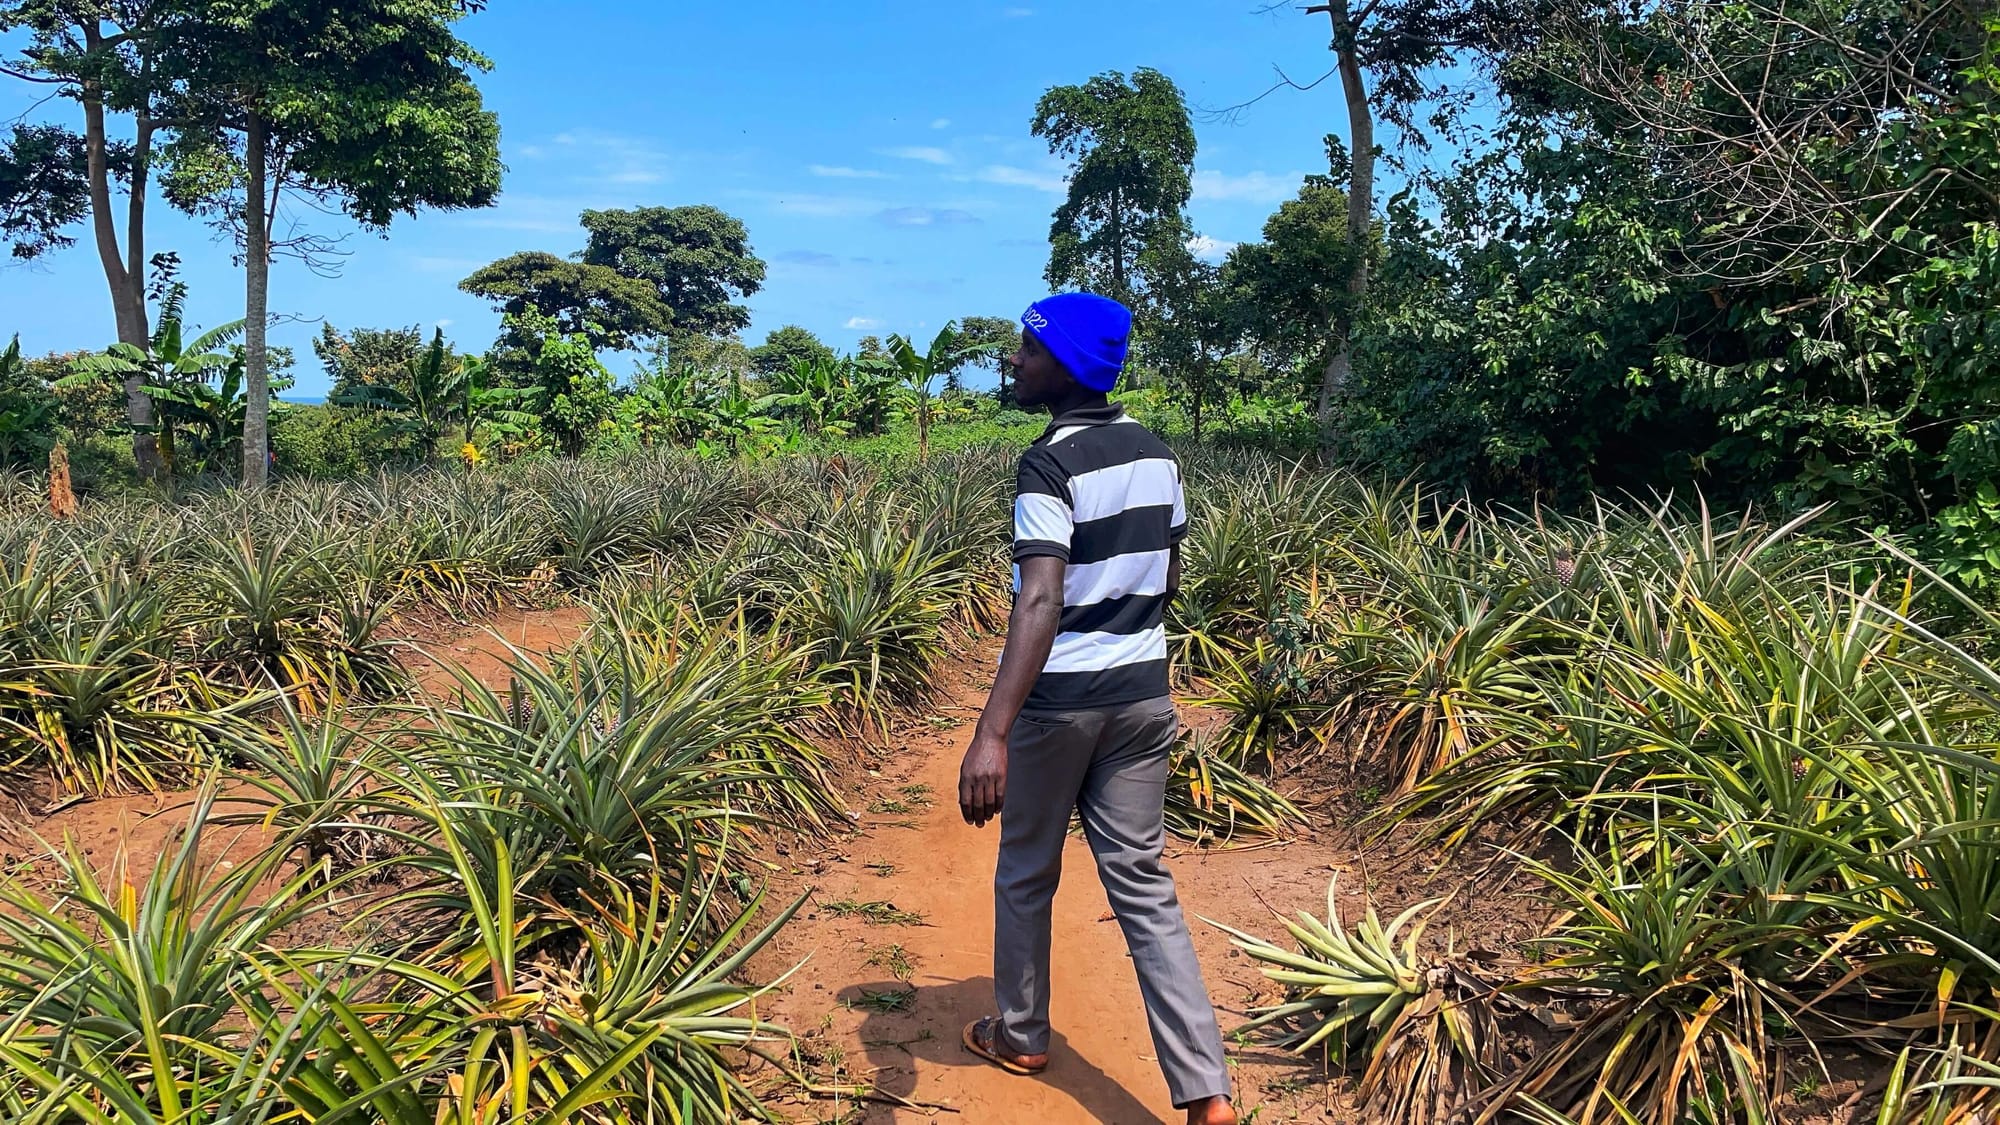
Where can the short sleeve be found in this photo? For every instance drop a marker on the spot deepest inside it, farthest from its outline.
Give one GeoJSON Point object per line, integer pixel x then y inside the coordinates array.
{"type": "Point", "coordinates": [1178, 530]}
{"type": "Point", "coordinates": [1043, 518]}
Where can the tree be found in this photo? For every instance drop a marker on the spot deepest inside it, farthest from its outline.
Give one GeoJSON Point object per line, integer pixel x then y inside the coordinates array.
{"type": "Point", "coordinates": [1294, 283]}
{"type": "Point", "coordinates": [722, 355]}
{"type": "Point", "coordinates": [27, 411]}
{"type": "Point", "coordinates": [697, 258]}
{"type": "Point", "coordinates": [368, 104]}
{"type": "Point", "coordinates": [612, 310]}
{"type": "Point", "coordinates": [1131, 152]}
{"type": "Point", "coordinates": [572, 392]}
{"type": "Point", "coordinates": [649, 275]}
{"type": "Point", "coordinates": [1408, 47]}
{"type": "Point", "coordinates": [994, 338]}
{"type": "Point", "coordinates": [786, 347]}
{"type": "Point", "coordinates": [105, 58]}
{"type": "Point", "coordinates": [1804, 134]}
{"type": "Point", "coordinates": [365, 357]}
{"type": "Point", "coordinates": [1587, 307]}
{"type": "Point", "coordinates": [1188, 330]}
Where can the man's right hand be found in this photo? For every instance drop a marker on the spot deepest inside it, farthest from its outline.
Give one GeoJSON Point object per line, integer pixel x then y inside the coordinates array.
{"type": "Point", "coordinates": [982, 778]}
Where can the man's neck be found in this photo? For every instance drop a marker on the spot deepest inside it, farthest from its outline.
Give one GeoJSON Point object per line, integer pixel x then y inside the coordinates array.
{"type": "Point", "coordinates": [1084, 399]}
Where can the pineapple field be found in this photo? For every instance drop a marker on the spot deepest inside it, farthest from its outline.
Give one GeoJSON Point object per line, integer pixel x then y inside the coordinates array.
{"type": "Point", "coordinates": [617, 791]}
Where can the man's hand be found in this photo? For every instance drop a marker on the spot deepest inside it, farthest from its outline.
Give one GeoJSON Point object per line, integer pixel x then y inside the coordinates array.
{"type": "Point", "coordinates": [982, 779]}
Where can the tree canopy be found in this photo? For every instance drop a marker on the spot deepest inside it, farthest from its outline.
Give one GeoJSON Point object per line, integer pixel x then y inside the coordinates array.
{"type": "Point", "coordinates": [44, 188]}
{"type": "Point", "coordinates": [786, 347]}
{"type": "Point", "coordinates": [698, 258]}
{"type": "Point", "coordinates": [1288, 287]}
{"type": "Point", "coordinates": [1131, 152]}
{"type": "Point", "coordinates": [369, 105]}
{"type": "Point", "coordinates": [645, 275]}
{"type": "Point", "coordinates": [597, 302]}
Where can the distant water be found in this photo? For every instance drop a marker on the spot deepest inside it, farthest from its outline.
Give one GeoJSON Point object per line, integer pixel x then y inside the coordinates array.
{"type": "Point", "coordinates": [304, 400]}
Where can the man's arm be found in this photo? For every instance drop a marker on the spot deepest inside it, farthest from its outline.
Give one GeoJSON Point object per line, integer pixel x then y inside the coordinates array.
{"type": "Point", "coordinates": [1031, 632]}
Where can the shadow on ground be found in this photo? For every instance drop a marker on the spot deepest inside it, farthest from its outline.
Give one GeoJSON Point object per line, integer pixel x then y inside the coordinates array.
{"type": "Point", "coordinates": [926, 1037]}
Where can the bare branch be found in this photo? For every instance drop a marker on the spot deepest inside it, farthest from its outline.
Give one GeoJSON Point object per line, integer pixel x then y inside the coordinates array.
{"type": "Point", "coordinates": [1230, 114]}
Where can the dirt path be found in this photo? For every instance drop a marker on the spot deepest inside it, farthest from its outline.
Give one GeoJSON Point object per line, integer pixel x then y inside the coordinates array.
{"type": "Point", "coordinates": [927, 862]}
{"type": "Point", "coordinates": [480, 650]}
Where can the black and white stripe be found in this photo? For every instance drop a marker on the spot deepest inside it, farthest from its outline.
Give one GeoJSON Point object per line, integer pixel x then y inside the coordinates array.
{"type": "Point", "coordinates": [1102, 493]}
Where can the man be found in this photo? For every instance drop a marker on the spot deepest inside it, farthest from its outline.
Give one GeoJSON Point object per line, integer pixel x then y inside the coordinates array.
{"type": "Point", "coordinates": [1080, 716]}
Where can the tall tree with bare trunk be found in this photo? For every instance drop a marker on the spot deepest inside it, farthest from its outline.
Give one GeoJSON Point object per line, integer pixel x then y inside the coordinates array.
{"type": "Point", "coordinates": [104, 55]}
{"type": "Point", "coordinates": [1392, 58]}
{"type": "Point", "coordinates": [368, 106]}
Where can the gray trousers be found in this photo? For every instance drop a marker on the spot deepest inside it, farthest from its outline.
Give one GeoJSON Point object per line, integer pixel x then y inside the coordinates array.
{"type": "Point", "coordinates": [1111, 766]}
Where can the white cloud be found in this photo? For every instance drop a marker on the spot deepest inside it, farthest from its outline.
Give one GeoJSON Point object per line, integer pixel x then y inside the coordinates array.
{"type": "Point", "coordinates": [923, 153]}
{"type": "Point", "coordinates": [842, 172]}
{"type": "Point", "coordinates": [863, 323]}
{"type": "Point", "coordinates": [1022, 177]}
{"type": "Point", "coordinates": [1210, 249]}
{"type": "Point", "coordinates": [941, 123]}
{"type": "Point", "coordinates": [1250, 187]}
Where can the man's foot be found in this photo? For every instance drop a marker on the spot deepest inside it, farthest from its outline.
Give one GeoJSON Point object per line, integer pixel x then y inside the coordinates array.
{"type": "Point", "coordinates": [1211, 1111]}
{"type": "Point", "coordinates": [982, 1038]}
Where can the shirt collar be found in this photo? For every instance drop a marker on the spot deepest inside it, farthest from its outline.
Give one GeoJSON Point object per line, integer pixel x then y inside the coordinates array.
{"type": "Point", "coordinates": [1088, 416]}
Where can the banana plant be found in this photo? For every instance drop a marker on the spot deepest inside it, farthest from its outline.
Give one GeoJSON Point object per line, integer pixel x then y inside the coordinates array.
{"type": "Point", "coordinates": [170, 366]}
{"type": "Point", "coordinates": [436, 395]}
{"type": "Point", "coordinates": [734, 416]}
{"type": "Point", "coordinates": [816, 393]}
{"type": "Point", "coordinates": [948, 352]}
{"type": "Point", "coordinates": [26, 416]}
{"type": "Point", "coordinates": [669, 405]}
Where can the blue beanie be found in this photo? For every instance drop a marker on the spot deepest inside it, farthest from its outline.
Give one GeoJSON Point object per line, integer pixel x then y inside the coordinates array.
{"type": "Point", "coordinates": [1085, 332]}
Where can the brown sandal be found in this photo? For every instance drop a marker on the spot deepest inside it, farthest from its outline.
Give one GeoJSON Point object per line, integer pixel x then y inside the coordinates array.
{"type": "Point", "coordinates": [982, 1038]}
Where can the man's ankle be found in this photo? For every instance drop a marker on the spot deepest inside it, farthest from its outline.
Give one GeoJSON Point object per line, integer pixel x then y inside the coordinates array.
{"type": "Point", "coordinates": [1213, 1110]}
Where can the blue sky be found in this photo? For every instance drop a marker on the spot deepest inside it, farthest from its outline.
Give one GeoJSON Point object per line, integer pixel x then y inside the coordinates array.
{"type": "Point", "coordinates": [879, 154]}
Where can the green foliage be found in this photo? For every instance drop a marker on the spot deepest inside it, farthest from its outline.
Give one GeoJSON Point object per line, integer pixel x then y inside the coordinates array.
{"type": "Point", "coordinates": [331, 442]}
{"type": "Point", "coordinates": [572, 395]}
{"type": "Point", "coordinates": [1593, 305]}
{"type": "Point", "coordinates": [994, 338]}
{"type": "Point", "coordinates": [1290, 288]}
{"type": "Point", "coordinates": [177, 373]}
{"type": "Point", "coordinates": [435, 390]}
{"type": "Point", "coordinates": [646, 275]}
{"type": "Point", "coordinates": [367, 356]}
{"type": "Point", "coordinates": [949, 350]}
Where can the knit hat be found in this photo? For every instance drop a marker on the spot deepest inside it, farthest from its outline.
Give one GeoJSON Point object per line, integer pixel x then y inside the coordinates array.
{"type": "Point", "coordinates": [1085, 332]}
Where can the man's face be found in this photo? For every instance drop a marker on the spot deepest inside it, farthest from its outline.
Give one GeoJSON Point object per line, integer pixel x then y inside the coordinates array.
{"type": "Point", "coordinates": [1038, 379]}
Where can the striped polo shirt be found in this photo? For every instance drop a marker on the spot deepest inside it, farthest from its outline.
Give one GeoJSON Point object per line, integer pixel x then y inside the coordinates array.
{"type": "Point", "coordinates": [1102, 493]}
